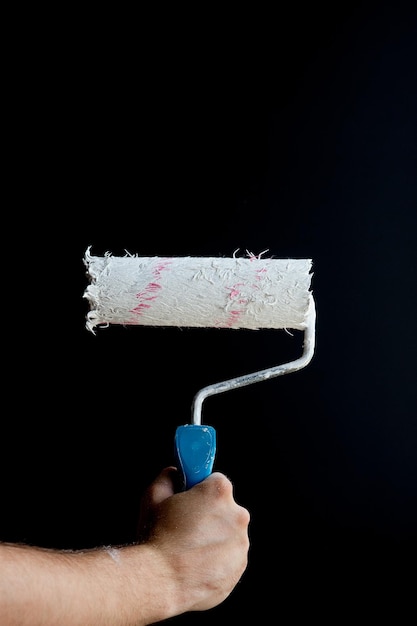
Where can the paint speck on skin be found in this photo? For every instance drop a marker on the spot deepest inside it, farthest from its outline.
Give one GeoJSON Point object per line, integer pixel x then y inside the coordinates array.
{"type": "Point", "coordinates": [113, 553]}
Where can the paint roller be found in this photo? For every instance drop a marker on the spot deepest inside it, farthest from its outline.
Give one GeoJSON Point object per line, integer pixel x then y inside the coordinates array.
{"type": "Point", "coordinates": [251, 292]}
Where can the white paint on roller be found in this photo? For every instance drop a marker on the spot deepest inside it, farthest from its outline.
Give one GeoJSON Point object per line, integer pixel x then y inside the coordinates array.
{"type": "Point", "coordinates": [250, 293]}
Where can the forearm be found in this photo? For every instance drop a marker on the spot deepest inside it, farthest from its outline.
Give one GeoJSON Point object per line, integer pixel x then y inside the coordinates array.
{"type": "Point", "coordinates": [194, 552]}
{"type": "Point", "coordinates": [125, 587]}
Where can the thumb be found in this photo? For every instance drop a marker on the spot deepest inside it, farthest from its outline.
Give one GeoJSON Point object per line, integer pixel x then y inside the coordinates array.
{"type": "Point", "coordinates": [161, 488]}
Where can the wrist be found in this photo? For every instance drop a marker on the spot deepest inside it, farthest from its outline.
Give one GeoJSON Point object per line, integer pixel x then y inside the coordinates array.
{"type": "Point", "coordinates": [140, 587]}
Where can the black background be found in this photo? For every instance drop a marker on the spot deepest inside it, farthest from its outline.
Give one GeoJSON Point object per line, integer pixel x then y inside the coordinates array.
{"type": "Point", "coordinates": [185, 133]}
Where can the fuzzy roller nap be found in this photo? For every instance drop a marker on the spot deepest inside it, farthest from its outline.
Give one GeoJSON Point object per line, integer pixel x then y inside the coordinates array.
{"type": "Point", "coordinates": [216, 292]}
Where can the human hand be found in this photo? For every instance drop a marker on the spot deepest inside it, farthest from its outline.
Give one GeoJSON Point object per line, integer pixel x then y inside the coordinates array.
{"type": "Point", "coordinates": [201, 533]}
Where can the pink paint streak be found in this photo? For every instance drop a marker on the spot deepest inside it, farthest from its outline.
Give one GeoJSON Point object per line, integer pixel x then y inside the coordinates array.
{"type": "Point", "coordinates": [152, 289]}
{"type": "Point", "coordinates": [235, 294]}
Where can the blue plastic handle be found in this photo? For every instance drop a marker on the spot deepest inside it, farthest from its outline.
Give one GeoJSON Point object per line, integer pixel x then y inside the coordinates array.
{"type": "Point", "coordinates": [195, 448]}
